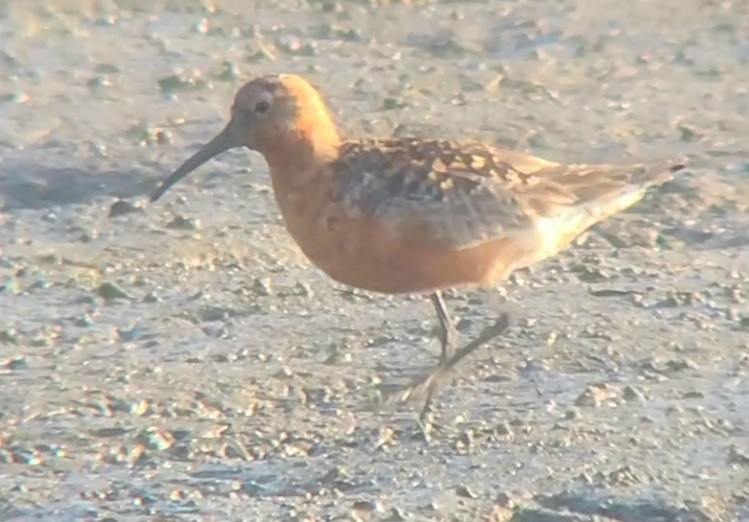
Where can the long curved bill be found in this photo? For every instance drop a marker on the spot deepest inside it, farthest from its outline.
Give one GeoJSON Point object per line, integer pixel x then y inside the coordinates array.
{"type": "Point", "coordinates": [225, 140]}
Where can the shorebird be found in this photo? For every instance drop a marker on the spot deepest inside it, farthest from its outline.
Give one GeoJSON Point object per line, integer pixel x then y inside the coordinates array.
{"type": "Point", "coordinates": [414, 215]}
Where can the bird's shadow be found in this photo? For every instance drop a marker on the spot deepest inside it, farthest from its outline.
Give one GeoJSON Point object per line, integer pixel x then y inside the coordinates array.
{"type": "Point", "coordinates": [33, 186]}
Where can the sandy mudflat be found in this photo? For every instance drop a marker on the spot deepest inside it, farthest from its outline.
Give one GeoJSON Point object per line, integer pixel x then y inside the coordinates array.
{"type": "Point", "coordinates": [186, 363]}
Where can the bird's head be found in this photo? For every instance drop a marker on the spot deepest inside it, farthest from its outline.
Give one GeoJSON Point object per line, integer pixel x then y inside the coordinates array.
{"type": "Point", "coordinates": [282, 117]}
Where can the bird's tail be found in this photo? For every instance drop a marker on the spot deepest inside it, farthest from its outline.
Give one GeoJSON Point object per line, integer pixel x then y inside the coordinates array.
{"type": "Point", "coordinates": [591, 193]}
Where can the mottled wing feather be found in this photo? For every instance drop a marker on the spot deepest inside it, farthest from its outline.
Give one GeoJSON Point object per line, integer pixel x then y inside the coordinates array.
{"type": "Point", "coordinates": [468, 193]}
{"type": "Point", "coordinates": [462, 191]}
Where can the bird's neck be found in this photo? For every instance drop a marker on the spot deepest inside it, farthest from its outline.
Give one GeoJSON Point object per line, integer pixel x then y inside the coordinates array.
{"type": "Point", "coordinates": [296, 157]}
{"type": "Point", "coordinates": [300, 176]}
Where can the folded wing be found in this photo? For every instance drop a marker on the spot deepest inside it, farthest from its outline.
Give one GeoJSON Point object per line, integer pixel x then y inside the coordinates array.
{"type": "Point", "coordinates": [465, 194]}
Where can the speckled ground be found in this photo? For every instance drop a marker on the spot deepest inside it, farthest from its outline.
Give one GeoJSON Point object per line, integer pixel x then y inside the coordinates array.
{"type": "Point", "coordinates": [186, 363]}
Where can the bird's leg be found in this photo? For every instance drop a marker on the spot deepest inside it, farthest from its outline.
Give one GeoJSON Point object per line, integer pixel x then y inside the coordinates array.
{"type": "Point", "coordinates": [427, 385]}
{"type": "Point", "coordinates": [448, 334]}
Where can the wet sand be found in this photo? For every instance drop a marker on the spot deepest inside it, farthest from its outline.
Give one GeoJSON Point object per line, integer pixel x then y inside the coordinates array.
{"type": "Point", "coordinates": [184, 361]}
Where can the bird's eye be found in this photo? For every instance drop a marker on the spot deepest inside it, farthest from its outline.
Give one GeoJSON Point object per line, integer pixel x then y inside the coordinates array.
{"type": "Point", "coordinates": [262, 106]}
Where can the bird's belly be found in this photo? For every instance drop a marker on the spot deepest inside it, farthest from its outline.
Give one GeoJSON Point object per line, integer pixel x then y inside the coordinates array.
{"type": "Point", "coordinates": [365, 254]}
{"type": "Point", "coordinates": [392, 269]}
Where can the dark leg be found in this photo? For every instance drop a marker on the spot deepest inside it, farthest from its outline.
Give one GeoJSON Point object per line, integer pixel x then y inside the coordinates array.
{"type": "Point", "coordinates": [425, 387]}
{"type": "Point", "coordinates": [448, 333]}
